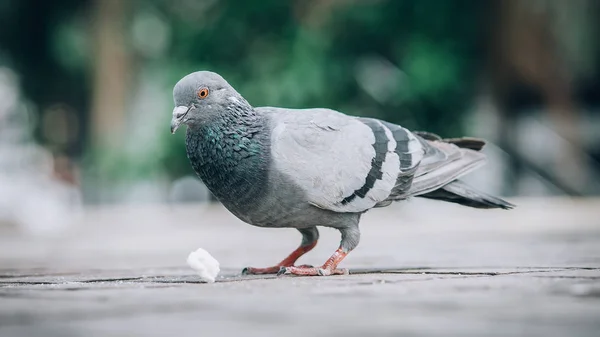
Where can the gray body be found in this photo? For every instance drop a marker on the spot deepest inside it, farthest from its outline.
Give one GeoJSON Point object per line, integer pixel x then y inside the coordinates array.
{"type": "Point", "coordinates": [303, 168]}
{"type": "Point", "coordinates": [249, 187]}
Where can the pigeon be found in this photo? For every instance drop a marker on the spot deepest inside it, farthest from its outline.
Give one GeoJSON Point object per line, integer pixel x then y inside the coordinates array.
{"type": "Point", "coordinates": [303, 168]}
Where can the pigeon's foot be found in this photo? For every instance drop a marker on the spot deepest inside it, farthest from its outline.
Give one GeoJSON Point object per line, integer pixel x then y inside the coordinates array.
{"type": "Point", "coordinates": [311, 271]}
{"type": "Point", "coordinates": [287, 262]}
{"type": "Point", "coordinates": [328, 268]}
{"type": "Point", "coordinates": [269, 270]}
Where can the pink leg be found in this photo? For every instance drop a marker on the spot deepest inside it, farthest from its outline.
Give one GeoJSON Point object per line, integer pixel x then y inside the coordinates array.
{"type": "Point", "coordinates": [287, 262]}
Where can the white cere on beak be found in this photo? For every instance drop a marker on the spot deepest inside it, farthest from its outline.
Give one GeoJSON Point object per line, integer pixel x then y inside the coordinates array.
{"type": "Point", "coordinates": [179, 111]}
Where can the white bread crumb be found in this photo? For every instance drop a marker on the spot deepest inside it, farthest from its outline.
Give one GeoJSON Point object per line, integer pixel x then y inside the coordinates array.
{"type": "Point", "coordinates": [206, 266]}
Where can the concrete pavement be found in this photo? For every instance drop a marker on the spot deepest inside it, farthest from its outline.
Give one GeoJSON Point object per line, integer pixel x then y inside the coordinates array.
{"type": "Point", "coordinates": [423, 268]}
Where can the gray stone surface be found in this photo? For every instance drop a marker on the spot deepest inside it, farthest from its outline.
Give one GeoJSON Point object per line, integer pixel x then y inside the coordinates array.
{"type": "Point", "coordinates": [423, 268]}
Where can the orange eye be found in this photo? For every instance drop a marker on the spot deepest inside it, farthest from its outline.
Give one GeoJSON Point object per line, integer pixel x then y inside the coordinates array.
{"type": "Point", "coordinates": [203, 93]}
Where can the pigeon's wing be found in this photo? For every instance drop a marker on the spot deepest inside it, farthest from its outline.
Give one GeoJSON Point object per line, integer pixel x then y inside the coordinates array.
{"type": "Point", "coordinates": [341, 163]}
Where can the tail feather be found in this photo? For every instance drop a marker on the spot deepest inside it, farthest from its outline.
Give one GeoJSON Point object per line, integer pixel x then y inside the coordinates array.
{"type": "Point", "coordinates": [466, 143]}
{"type": "Point", "coordinates": [444, 162]}
{"type": "Point", "coordinates": [461, 193]}
{"type": "Point", "coordinates": [462, 142]}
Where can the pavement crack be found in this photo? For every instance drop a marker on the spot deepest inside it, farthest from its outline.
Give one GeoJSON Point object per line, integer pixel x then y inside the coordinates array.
{"type": "Point", "coordinates": [104, 280]}
{"type": "Point", "coordinates": [457, 273]}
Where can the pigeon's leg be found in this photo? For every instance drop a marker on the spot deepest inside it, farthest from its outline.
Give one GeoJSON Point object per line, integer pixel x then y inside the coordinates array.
{"type": "Point", "coordinates": [310, 236]}
{"type": "Point", "coordinates": [350, 239]}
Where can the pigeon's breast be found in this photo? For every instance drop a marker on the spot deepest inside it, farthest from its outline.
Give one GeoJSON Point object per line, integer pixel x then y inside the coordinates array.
{"type": "Point", "coordinates": [233, 167]}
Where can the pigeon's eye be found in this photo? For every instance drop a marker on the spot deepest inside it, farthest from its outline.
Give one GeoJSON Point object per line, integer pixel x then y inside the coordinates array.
{"type": "Point", "coordinates": [203, 93]}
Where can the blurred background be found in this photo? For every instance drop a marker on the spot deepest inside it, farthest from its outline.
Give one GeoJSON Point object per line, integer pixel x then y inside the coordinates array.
{"type": "Point", "coordinates": [86, 88]}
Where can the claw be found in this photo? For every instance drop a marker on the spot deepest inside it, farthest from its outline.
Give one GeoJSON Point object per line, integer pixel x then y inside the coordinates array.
{"type": "Point", "coordinates": [282, 271]}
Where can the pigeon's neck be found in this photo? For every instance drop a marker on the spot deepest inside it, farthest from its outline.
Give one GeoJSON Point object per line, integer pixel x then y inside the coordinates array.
{"type": "Point", "coordinates": [230, 154]}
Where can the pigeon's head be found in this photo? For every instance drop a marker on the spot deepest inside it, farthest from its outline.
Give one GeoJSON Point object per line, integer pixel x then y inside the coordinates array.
{"type": "Point", "coordinates": [202, 96]}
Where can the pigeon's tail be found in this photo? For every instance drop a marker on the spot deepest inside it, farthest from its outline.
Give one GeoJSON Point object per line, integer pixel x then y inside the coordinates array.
{"type": "Point", "coordinates": [456, 191]}
{"type": "Point", "coordinates": [461, 193]}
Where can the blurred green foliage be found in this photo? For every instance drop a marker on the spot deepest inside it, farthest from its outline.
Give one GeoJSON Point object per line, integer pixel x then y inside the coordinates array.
{"type": "Point", "coordinates": [411, 62]}
{"type": "Point", "coordinates": [274, 53]}
{"type": "Point", "coordinates": [274, 58]}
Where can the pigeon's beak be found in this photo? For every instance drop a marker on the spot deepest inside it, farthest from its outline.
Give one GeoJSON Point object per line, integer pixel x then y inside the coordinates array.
{"type": "Point", "coordinates": [178, 116]}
